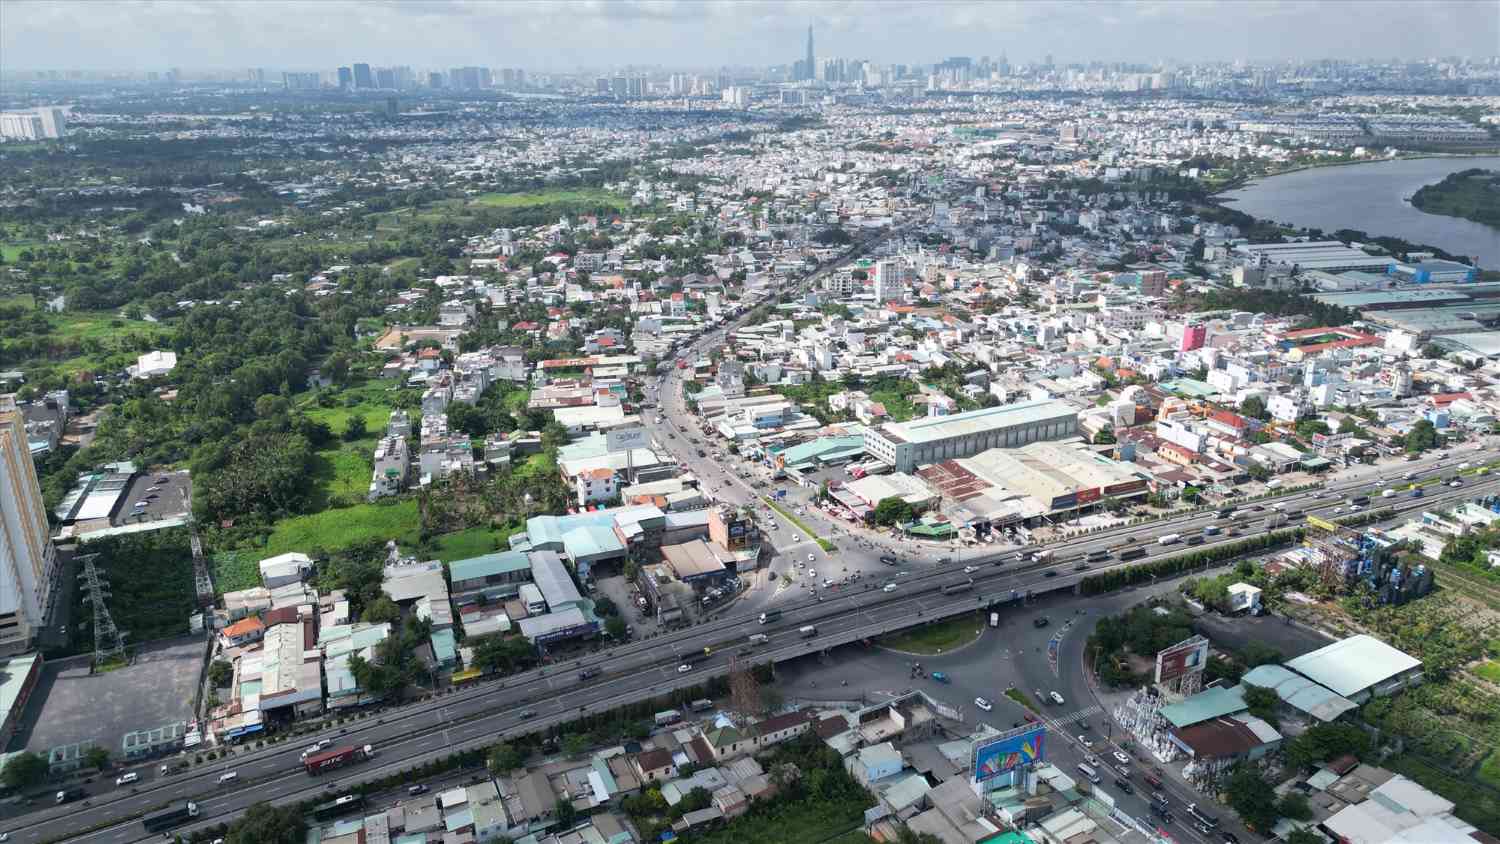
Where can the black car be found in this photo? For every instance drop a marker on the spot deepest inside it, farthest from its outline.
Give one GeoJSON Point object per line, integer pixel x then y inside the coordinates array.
{"type": "Point", "coordinates": [1160, 812]}
{"type": "Point", "coordinates": [1081, 567]}
{"type": "Point", "coordinates": [1040, 621]}
{"type": "Point", "coordinates": [1124, 785]}
{"type": "Point", "coordinates": [889, 560]}
{"type": "Point", "coordinates": [1049, 573]}
{"type": "Point", "coordinates": [1229, 838]}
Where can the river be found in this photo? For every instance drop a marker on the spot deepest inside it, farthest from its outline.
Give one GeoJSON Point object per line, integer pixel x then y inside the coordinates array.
{"type": "Point", "coordinates": [1372, 198]}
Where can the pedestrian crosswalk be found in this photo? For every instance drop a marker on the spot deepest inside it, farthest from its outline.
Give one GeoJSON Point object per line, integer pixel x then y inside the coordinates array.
{"type": "Point", "coordinates": [1075, 717]}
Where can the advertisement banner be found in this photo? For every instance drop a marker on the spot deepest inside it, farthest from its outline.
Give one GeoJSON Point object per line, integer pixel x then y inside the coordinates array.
{"type": "Point", "coordinates": [998, 755]}
{"type": "Point", "coordinates": [621, 439]}
{"type": "Point", "coordinates": [1185, 657]}
{"type": "Point", "coordinates": [1088, 496]}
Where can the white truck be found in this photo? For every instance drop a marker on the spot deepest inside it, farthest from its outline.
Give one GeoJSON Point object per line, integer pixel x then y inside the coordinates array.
{"type": "Point", "coordinates": [1169, 539]}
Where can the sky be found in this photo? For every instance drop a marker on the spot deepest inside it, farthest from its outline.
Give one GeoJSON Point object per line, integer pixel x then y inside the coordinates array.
{"type": "Point", "coordinates": [567, 35]}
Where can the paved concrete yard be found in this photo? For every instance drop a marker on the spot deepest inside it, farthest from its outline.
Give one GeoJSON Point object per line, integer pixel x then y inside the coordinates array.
{"type": "Point", "coordinates": [70, 706]}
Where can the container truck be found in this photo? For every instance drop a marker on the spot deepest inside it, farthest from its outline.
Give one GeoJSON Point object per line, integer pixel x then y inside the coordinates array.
{"type": "Point", "coordinates": [1169, 539]}
{"type": "Point", "coordinates": [337, 758]}
{"type": "Point", "coordinates": [170, 816]}
{"type": "Point", "coordinates": [768, 617]}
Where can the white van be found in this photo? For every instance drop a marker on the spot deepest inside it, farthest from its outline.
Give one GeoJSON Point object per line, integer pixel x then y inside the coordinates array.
{"type": "Point", "coordinates": [1088, 773]}
{"type": "Point", "coordinates": [229, 777]}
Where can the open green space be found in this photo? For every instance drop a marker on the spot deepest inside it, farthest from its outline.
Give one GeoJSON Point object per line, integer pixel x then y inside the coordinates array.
{"type": "Point", "coordinates": [474, 542]}
{"type": "Point", "coordinates": [372, 400]}
{"type": "Point", "coordinates": [334, 530]}
{"type": "Point", "coordinates": [150, 584]}
{"type": "Point", "coordinates": [17, 300]}
{"type": "Point", "coordinates": [12, 251]}
{"type": "Point", "coordinates": [1021, 697]}
{"type": "Point", "coordinates": [938, 637]}
{"type": "Point", "coordinates": [341, 474]}
{"type": "Point", "coordinates": [1489, 670]}
{"type": "Point", "coordinates": [235, 570]}
{"type": "Point", "coordinates": [528, 199]}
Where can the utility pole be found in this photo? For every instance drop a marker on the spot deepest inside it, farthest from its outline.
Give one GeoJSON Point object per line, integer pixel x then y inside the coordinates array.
{"type": "Point", "coordinates": [109, 641]}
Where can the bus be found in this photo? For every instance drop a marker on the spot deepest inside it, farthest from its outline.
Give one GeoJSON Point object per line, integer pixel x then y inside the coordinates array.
{"type": "Point", "coordinates": [339, 806]}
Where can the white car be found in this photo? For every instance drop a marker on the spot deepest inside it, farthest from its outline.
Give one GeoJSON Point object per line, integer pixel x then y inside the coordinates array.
{"type": "Point", "coordinates": [812, 573]}
{"type": "Point", "coordinates": [1086, 742]}
{"type": "Point", "coordinates": [983, 704]}
{"type": "Point", "coordinates": [125, 779]}
{"type": "Point", "coordinates": [811, 558]}
{"type": "Point", "coordinates": [1057, 698]}
{"type": "Point", "coordinates": [684, 668]}
{"type": "Point", "coordinates": [1122, 758]}
{"type": "Point", "coordinates": [889, 587]}
{"type": "Point", "coordinates": [970, 569]}
{"type": "Point", "coordinates": [796, 538]}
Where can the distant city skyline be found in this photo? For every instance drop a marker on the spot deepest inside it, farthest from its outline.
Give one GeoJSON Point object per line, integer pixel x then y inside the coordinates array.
{"type": "Point", "coordinates": [565, 36]}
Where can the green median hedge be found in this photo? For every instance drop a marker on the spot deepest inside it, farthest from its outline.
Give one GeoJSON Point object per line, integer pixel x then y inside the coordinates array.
{"type": "Point", "coordinates": [1119, 578]}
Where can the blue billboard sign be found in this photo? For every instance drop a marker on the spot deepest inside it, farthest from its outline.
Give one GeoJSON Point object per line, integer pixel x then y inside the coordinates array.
{"type": "Point", "coordinates": [995, 756]}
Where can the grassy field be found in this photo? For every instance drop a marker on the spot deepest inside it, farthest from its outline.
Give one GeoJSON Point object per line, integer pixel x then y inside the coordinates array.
{"type": "Point", "coordinates": [937, 638]}
{"type": "Point", "coordinates": [1489, 670]}
{"type": "Point", "coordinates": [13, 250]}
{"type": "Point", "coordinates": [235, 570]}
{"type": "Point", "coordinates": [898, 406]}
{"type": "Point", "coordinates": [25, 300]}
{"type": "Point", "coordinates": [333, 530]}
{"type": "Point", "coordinates": [548, 197]}
{"type": "Point", "coordinates": [474, 542]}
{"type": "Point", "coordinates": [342, 473]}
{"type": "Point", "coordinates": [1020, 697]}
{"type": "Point", "coordinates": [373, 400]}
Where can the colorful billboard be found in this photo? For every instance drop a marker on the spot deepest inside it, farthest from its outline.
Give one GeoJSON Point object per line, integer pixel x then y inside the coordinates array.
{"type": "Point", "coordinates": [1088, 496]}
{"type": "Point", "coordinates": [995, 756]}
{"type": "Point", "coordinates": [1185, 657]}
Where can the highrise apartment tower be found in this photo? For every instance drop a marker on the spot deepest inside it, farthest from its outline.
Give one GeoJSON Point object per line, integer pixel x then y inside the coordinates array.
{"type": "Point", "coordinates": [812, 69]}
{"type": "Point", "coordinates": [27, 559]}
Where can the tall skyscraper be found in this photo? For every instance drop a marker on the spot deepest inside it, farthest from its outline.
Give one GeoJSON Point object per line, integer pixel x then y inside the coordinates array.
{"type": "Point", "coordinates": [27, 559]}
{"type": "Point", "coordinates": [362, 76]}
{"type": "Point", "coordinates": [346, 77]}
{"type": "Point", "coordinates": [811, 66]}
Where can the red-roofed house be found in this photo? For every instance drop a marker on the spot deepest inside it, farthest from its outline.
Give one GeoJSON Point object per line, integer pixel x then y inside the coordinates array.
{"type": "Point", "coordinates": [595, 486]}
{"type": "Point", "coordinates": [1228, 423]}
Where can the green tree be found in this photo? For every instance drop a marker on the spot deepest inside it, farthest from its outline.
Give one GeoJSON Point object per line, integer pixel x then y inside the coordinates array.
{"type": "Point", "coordinates": [382, 609]}
{"type": "Point", "coordinates": [263, 823]}
{"type": "Point", "coordinates": [604, 606]}
{"type": "Point", "coordinates": [893, 510]}
{"type": "Point", "coordinates": [96, 757]}
{"type": "Point", "coordinates": [505, 654]}
{"type": "Point", "coordinates": [1294, 805]}
{"type": "Point", "coordinates": [1106, 436]}
{"type": "Point", "coordinates": [615, 626]}
{"type": "Point", "coordinates": [1255, 408]}
{"type": "Point", "coordinates": [1262, 702]}
{"type": "Point", "coordinates": [566, 814]}
{"type": "Point", "coordinates": [1422, 437]}
{"type": "Point", "coordinates": [24, 770]}
{"type": "Point", "coordinates": [1259, 653]}
{"type": "Point", "coordinates": [575, 743]}
{"type": "Point", "coordinates": [1258, 471]}
{"type": "Point", "coordinates": [1252, 798]}
{"type": "Point", "coordinates": [504, 758]}
{"type": "Point", "coordinates": [1320, 743]}
{"type": "Point", "coordinates": [1432, 350]}
{"type": "Point", "coordinates": [220, 673]}
{"type": "Point", "coordinates": [355, 428]}
{"type": "Point", "coordinates": [1308, 428]}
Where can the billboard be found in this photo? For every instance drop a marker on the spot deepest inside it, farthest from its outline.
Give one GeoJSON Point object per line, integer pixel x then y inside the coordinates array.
{"type": "Point", "coordinates": [1185, 657]}
{"type": "Point", "coordinates": [994, 756]}
{"type": "Point", "coordinates": [621, 439]}
{"type": "Point", "coordinates": [1088, 496]}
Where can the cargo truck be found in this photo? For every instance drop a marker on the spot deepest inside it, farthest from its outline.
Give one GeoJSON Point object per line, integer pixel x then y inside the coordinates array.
{"type": "Point", "coordinates": [337, 758]}
{"type": "Point", "coordinates": [170, 816]}
{"type": "Point", "coordinates": [767, 617]}
{"type": "Point", "coordinates": [1169, 539]}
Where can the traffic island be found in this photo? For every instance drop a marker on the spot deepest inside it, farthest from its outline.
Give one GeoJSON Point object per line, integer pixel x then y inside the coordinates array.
{"type": "Point", "coordinates": [940, 637]}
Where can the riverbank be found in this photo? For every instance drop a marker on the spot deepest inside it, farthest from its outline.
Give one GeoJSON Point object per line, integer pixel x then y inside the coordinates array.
{"type": "Point", "coordinates": [1365, 201]}
{"type": "Point", "coordinates": [1240, 182]}
{"type": "Point", "coordinates": [1469, 195]}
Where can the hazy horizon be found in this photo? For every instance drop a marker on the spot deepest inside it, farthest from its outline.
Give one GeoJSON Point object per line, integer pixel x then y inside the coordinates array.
{"type": "Point", "coordinates": [568, 35]}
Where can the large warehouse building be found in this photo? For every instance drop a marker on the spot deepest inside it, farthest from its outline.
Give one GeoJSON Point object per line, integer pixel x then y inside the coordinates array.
{"type": "Point", "coordinates": [907, 445]}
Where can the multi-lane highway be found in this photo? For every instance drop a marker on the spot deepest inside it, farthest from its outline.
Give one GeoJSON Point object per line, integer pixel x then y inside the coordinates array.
{"type": "Point", "coordinates": [637, 671]}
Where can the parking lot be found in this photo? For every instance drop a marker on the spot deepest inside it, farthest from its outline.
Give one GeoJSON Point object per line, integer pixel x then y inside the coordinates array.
{"type": "Point", "coordinates": [153, 496]}
{"type": "Point", "coordinates": [71, 705]}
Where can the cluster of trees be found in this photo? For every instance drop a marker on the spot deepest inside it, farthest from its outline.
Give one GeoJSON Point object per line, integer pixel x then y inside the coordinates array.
{"type": "Point", "coordinates": [1141, 631]}
{"type": "Point", "coordinates": [503, 654]}
{"type": "Point", "coordinates": [394, 666]}
{"type": "Point", "coordinates": [893, 511]}
{"type": "Point", "coordinates": [1257, 804]}
{"type": "Point", "coordinates": [1278, 302]}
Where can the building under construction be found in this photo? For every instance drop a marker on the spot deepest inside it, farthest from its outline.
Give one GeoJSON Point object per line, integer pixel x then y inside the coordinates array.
{"type": "Point", "coordinates": [1345, 555]}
